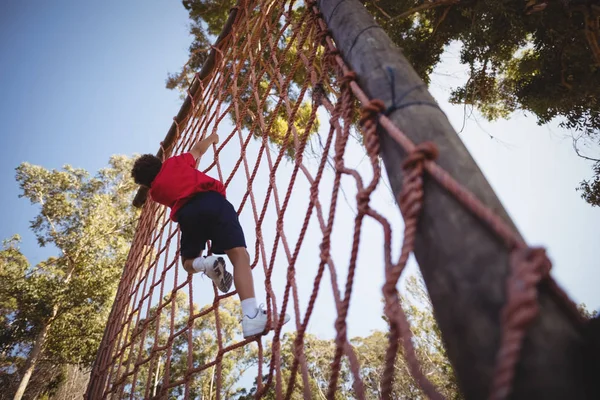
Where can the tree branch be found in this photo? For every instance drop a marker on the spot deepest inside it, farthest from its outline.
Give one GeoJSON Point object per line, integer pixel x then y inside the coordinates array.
{"type": "Point", "coordinates": [95, 238]}
{"type": "Point", "coordinates": [575, 140]}
{"type": "Point", "coordinates": [425, 6]}
{"type": "Point", "coordinates": [592, 30]}
{"type": "Point", "coordinates": [442, 18]}
{"type": "Point", "coordinates": [54, 235]}
{"type": "Point", "coordinates": [374, 4]}
{"type": "Point", "coordinates": [563, 69]}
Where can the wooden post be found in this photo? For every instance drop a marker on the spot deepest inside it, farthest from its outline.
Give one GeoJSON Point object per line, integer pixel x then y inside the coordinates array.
{"type": "Point", "coordinates": [464, 265]}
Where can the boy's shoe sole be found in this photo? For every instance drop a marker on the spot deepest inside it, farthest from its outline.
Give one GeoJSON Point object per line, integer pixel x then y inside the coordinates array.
{"type": "Point", "coordinates": [220, 276]}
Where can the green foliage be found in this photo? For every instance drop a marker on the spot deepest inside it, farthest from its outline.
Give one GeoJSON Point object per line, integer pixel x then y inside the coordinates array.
{"type": "Point", "coordinates": [90, 222]}
{"type": "Point", "coordinates": [13, 295]}
{"type": "Point", "coordinates": [534, 56]}
{"type": "Point", "coordinates": [587, 314]}
{"type": "Point", "coordinates": [590, 190]}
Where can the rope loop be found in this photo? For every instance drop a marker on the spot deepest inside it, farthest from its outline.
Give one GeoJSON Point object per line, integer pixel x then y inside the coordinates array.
{"type": "Point", "coordinates": [528, 266]}
{"type": "Point", "coordinates": [422, 152]}
{"type": "Point", "coordinates": [371, 111]}
{"type": "Point", "coordinates": [348, 77]}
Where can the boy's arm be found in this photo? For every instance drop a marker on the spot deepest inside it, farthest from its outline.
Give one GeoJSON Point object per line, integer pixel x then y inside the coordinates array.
{"type": "Point", "coordinates": [203, 145]}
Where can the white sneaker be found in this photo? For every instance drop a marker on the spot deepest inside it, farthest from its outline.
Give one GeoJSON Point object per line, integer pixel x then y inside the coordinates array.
{"type": "Point", "coordinates": [215, 270]}
{"type": "Point", "coordinates": [257, 325]}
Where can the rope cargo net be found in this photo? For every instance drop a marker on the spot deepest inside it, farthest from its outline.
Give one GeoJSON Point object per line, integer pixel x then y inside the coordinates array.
{"type": "Point", "coordinates": [148, 350]}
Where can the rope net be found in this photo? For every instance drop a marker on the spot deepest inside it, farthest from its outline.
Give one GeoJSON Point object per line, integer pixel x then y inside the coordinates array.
{"type": "Point", "coordinates": [276, 71]}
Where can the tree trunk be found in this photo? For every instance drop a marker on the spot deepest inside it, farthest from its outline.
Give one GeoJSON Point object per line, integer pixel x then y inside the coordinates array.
{"type": "Point", "coordinates": [74, 385]}
{"type": "Point", "coordinates": [156, 377]}
{"type": "Point", "coordinates": [463, 263]}
{"type": "Point", "coordinates": [212, 379]}
{"type": "Point", "coordinates": [38, 345]}
{"type": "Point", "coordinates": [32, 360]}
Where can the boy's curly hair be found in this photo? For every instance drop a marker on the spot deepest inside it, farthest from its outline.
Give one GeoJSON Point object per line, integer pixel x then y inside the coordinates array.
{"type": "Point", "coordinates": [145, 169]}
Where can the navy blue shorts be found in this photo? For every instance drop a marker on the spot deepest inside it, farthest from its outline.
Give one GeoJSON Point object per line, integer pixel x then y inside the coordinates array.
{"type": "Point", "coordinates": [209, 216]}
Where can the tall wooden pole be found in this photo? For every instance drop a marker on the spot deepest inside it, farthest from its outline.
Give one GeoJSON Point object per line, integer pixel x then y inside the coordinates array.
{"type": "Point", "coordinates": [463, 263]}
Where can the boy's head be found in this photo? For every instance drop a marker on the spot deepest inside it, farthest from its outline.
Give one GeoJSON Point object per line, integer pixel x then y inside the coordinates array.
{"type": "Point", "coordinates": [145, 169]}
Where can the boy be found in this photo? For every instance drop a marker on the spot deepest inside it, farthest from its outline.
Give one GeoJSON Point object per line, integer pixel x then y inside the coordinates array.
{"type": "Point", "coordinates": [199, 206]}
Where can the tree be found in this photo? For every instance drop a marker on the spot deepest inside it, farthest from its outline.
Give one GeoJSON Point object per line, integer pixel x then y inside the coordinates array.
{"type": "Point", "coordinates": [536, 56]}
{"type": "Point", "coordinates": [55, 311]}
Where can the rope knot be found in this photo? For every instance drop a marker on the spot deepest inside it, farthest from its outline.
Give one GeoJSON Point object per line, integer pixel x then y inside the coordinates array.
{"type": "Point", "coordinates": [423, 151]}
{"type": "Point", "coordinates": [324, 247]}
{"type": "Point", "coordinates": [528, 266]}
{"type": "Point", "coordinates": [371, 110]}
{"type": "Point", "coordinates": [363, 198]}
{"type": "Point", "coordinates": [331, 55]}
{"type": "Point", "coordinates": [539, 261]}
{"type": "Point", "coordinates": [347, 78]}
{"type": "Point", "coordinates": [322, 35]}
{"type": "Point", "coordinates": [317, 94]}
{"type": "Point", "coordinates": [411, 197]}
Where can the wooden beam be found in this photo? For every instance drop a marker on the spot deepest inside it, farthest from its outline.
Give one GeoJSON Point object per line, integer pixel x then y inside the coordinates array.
{"type": "Point", "coordinates": [186, 107]}
{"type": "Point", "coordinates": [464, 264]}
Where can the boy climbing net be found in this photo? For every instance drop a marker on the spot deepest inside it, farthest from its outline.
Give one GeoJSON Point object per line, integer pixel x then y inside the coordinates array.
{"type": "Point", "coordinates": [198, 204]}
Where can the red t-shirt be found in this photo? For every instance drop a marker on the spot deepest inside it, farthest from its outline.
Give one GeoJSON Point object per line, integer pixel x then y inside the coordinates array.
{"type": "Point", "coordinates": [178, 180]}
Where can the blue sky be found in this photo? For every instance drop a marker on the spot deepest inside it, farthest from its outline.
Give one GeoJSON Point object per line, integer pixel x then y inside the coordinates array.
{"type": "Point", "coordinates": [81, 81]}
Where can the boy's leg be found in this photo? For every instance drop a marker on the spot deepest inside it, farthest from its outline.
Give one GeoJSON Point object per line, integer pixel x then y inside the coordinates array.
{"type": "Point", "coordinates": [242, 278]}
{"type": "Point", "coordinates": [188, 265]}
{"type": "Point", "coordinates": [211, 266]}
{"type": "Point", "coordinates": [242, 273]}
{"type": "Point", "coordinates": [254, 321]}
{"type": "Point", "coordinates": [228, 237]}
